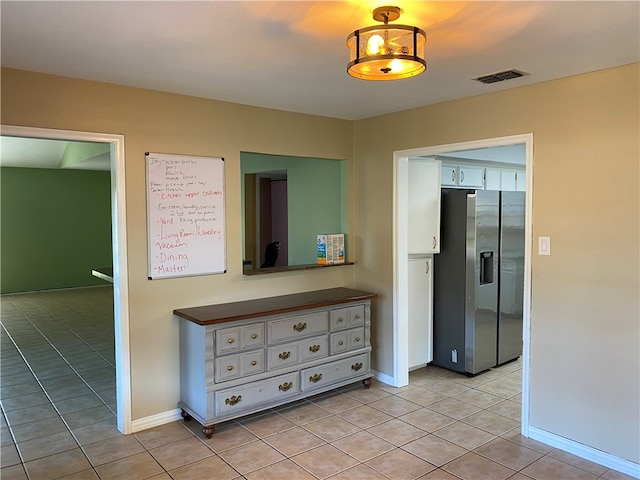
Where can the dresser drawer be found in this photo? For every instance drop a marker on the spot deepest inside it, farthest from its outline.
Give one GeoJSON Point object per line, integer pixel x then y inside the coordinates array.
{"type": "Point", "coordinates": [236, 339]}
{"type": "Point", "coordinates": [253, 335]}
{"type": "Point", "coordinates": [241, 365]}
{"type": "Point", "coordinates": [228, 341]}
{"type": "Point", "coordinates": [282, 355]}
{"type": "Point", "coordinates": [322, 375]}
{"type": "Point", "coordinates": [298, 327]}
{"type": "Point", "coordinates": [344, 318]}
{"type": "Point", "coordinates": [245, 397]}
{"type": "Point", "coordinates": [312, 348]}
{"type": "Point", "coordinates": [348, 340]}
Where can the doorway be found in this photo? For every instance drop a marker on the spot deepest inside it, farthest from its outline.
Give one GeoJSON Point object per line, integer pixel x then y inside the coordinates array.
{"type": "Point", "coordinates": [119, 254]}
{"type": "Point", "coordinates": [400, 253]}
{"type": "Point", "coordinates": [266, 220]}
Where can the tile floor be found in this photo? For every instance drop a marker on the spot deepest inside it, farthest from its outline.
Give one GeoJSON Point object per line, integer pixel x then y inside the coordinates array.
{"type": "Point", "coordinates": [58, 418]}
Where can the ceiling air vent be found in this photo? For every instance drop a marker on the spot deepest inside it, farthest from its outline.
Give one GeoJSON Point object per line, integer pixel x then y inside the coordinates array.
{"type": "Point", "coordinates": [500, 76]}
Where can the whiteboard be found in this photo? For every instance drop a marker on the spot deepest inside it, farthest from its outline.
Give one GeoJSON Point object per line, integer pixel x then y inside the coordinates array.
{"type": "Point", "coordinates": [185, 215]}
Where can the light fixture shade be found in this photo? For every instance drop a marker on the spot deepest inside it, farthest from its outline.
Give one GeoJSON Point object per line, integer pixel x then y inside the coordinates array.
{"type": "Point", "coordinates": [386, 52]}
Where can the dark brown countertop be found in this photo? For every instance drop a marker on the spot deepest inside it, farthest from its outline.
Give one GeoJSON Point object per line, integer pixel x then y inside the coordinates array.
{"type": "Point", "coordinates": [228, 312]}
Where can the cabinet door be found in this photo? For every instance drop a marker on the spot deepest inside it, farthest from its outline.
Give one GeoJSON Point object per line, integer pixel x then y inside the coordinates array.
{"type": "Point", "coordinates": [424, 206]}
{"type": "Point", "coordinates": [449, 175]}
{"type": "Point", "coordinates": [521, 181]}
{"type": "Point", "coordinates": [492, 179]}
{"type": "Point", "coordinates": [420, 311]}
{"type": "Point", "coordinates": [471, 177]}
{"type": "Point", "coordinates": [508, 180]}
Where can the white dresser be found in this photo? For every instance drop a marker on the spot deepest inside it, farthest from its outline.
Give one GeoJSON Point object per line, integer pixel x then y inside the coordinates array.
{"type": "Point", "coordinates": [243, 357]}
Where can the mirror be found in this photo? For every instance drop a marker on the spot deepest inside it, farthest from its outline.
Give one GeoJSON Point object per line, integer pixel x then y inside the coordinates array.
{"type": "Point", "coordinates": [290, 200]}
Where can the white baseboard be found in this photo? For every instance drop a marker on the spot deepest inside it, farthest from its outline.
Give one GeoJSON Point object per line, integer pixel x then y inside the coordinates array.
{"type": "Point", "coordinates": [384, 378]}
{"type": "Point", "coordinates": [156, 420]}
{"type": "Point", "coordinates": [583, 451]}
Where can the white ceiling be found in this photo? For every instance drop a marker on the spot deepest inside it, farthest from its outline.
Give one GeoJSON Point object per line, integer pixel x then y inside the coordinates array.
{"type": "Point", "coordinates": [292, 55]}
{"type": "Point", "coordinates": [44, 153]}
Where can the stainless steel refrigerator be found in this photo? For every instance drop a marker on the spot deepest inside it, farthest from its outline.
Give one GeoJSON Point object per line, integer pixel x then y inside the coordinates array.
{"type": "Point", "coordinates": [478, 280]}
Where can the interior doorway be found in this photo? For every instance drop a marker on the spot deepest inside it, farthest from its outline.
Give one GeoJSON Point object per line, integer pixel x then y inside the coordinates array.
{"type": "Point", "coordinates": [400, 253]}
{"type": "Point", "coordinates": [119, 253]}
{"type": "Point", "coordinates": [266, 220]}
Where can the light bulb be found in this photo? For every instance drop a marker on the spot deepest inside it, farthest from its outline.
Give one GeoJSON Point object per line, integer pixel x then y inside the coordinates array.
{"type": "Point", "coordinates": [374, 45]}
{"type": "Point", "coordinates": [395, 65]}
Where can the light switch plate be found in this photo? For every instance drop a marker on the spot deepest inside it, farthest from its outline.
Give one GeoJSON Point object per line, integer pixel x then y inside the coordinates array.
{"type": "Point", "coordinates": [544, 245]}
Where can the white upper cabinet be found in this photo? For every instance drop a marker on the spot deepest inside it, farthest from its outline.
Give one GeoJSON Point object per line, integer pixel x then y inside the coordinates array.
{"type": "Point", "coordinates": [508, 180]}
{"type": "Point", "coordinates": [424, 206]}
{"type": "Point", "coordinates": [462, 176]}
{"type": "Point", "coordinates": [493, 179]}
{"type": "Point", "coordinates": [471, 177]}
{"type": "Point", "coordinates": [521, 181]}
{"type": "Point", "coordinates": [504, 179]}
{"type": "Point", "coordinates": [449, 175]}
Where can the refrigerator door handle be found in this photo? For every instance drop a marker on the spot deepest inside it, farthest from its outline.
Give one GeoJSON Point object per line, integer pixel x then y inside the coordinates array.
{"type": "Point", "coordinates": [486, 268]}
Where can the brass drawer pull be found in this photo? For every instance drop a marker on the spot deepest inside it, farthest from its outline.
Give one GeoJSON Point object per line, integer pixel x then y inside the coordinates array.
{"type": "Point", "coordinates": [340, 342]}
{"type": "Point", "coordinates": [284, 355]}
{"type": "Point", "coordinates": [340, 320]}
{"type": "Point", "coordinates": [316, 378]}
{"type": "Point", "coordinates": [314, 348]}
{"type": "Point", "coordinates": [357, 366]}
{"type": "Point", "coordinates": [254, 363]}
{"type": "Point", "coordinates": [254, 336]}
{"type": "Point", "coordinates": [229, 368]}
{"type": "Point", "coordinates": [357, 316]}
{"type": "Point", "coordinates": [357, 339]}
{"type": "Point", "coordinates": [300, 327]}
{"type": "Point", "coordinates": [233, 400]}
{"type": "Point", "coordinates": [231, 340]}
{"type": "Point", "coordinates": [285, 386]}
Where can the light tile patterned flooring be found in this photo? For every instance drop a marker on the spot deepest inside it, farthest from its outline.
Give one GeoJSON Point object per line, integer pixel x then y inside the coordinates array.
{"type": "Point", "coordinates": [58, 418]}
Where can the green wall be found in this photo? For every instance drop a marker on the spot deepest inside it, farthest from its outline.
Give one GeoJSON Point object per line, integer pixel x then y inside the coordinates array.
{"type": "Point", "coordinates": [317, 201]}
{"type": "Point", "coordinates": [55, 227]}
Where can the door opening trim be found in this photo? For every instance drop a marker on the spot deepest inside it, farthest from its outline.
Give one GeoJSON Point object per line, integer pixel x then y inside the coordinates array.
{"type": "Point", "coordinates": [400, 254]}
{"type": "Point", "coordinates": [119, 236]}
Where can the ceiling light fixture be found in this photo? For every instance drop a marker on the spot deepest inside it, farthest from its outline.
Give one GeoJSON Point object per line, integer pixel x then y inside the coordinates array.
{"type": "Point", "coordinates": [386, 52]}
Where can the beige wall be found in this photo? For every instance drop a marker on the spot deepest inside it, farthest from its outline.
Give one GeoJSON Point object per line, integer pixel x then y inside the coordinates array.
{"type": "Point", "coordinates": [164, 123]}
{"type": "Point", "coordinates": [585, 327]}
{"type": "Point", "coordinates": [585, 309]}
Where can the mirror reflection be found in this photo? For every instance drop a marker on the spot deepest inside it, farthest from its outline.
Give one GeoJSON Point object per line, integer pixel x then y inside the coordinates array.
{"type": "Point", "coordinates": [287, 202]}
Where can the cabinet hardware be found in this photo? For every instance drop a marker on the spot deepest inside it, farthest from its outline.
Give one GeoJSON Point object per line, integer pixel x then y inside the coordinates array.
{"type": "Point", "coordinates": [284, 355]}
{"type": "Point", "coordinates": [357, 339]}
{"type": "Point", "coordinates": [357, 316]}
{"type": "Point", "coordinates": [300, 327]}
{"type": "Point", "coordinates": [356, 366]}
{"type": "Point", "coordinates": [316, 378]}
{"type": "Point", "coordinates": [254, 336]}
{"type": "Point", "coordinates": [231, 340]}
{"type": "Point", "coordinates": [426, 270]}
{"type": "Point", "coordinates": [340, 342]}
{"type": "Point", "coordinates": [233, 400]}
{"type": "Point", "coordinates": [340, 320]}
{"type": "Point", "coordinates": [453, 175]}
{"type": "Point", "coordinates": [461, 176]}
{"type": "Point", "coordinates": [229, 368]}
{"type": "Point", "coordinates": [254, 363]}
{"type": "Point", "coordinates": [314, 348]}
{"type": "Point", "coordinates": [434, 242]}
{"type": "Point", "coordinates": [285, 386]}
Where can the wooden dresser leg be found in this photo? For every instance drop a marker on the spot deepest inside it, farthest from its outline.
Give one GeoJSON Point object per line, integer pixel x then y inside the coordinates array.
{"type": "Point", "coordinates": [366, 382]}
{"type": "Point", "coordinates": [185, 415]}
{"type": "Point", "coordinates": [208, 431]}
